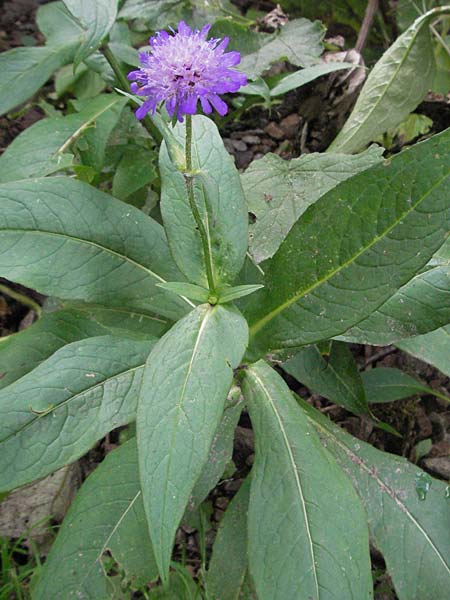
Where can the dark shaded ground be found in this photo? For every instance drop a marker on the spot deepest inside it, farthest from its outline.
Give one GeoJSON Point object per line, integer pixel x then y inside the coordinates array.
{"type": "Point", "coordinates": [306, 121]}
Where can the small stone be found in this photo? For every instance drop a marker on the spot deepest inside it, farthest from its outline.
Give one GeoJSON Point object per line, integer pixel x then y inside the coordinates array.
{"type": "Point", "coordinates": [243, 159]}
{"type": "Point", "coordinates": [440, 466]}
{"type": "Point", "coordinates": [275, 131]}
{"type": "Point", "coordinates": [251, 139]}
{"type": "Point", "coordinates": [290, 125]}
{"type": "Point", "coordinates": [222, 502]}
{"type": "Point", "coordinates": [239, 145]}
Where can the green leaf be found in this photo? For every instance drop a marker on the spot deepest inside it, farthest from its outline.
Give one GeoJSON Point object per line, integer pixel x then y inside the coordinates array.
{"type": "Point", "coordinates": [220, 200]}
{"type": "Point", "coordinates": [21, 352]}
{"type": "Point", "coordinates": [420, 306]}
{"type": "Point", "coordinates": [228, 564]}
{"type": "Point", "coordinates": [96, 138]}
{"type": "Point", "coordinates": [96, 19]}
{"type": "Point", "coordinates": [335, 377]}
{"type": "Point", "coordinates": [279, 191]}
{"type": "Point", "coordinates": [183, 288]}
{"type": "Point", "coordinates": [25, 70]}
{"type": "Point", "coordinates": [412, 534]}
{"type": "Point", "coordinates": [186, 382]}
{"type": "Point", "coordinates": [106, 515]}
{"type": "Point", "coordinates": [67, 239]}
{"type": "Point", "coordinates": [299, 551]}
{"type": "Point", "coordinates": [39, 150]}
{"type": "Point", "coordinates": [304, 76]}
{"type": "Point", "coordinates": [409, 10]}
{"type": "Point", "coordinates": [122, 321]}
{"type": "Point", "coordinates": [354, 248]}
{"type": "Point", "coordinates": [57, 25]}
{"type": "Point", "coordinates": [386, 385]}
{"type": "Point", "coordinates": [228, 294]}
{"type": "Point", "coordinates": [221, 450]}
{"type": "Point", "coordinates": [134, 171]}
{"type": "Point", "coordinates": [56, 413]}
{"type": "Point", "coordinates": [433, 348]}
{"type": "Point", "coordinates": [156, 12]}
{"type": "Point", "coordinates": [393, 89]}
{"type": "Point", "coordinates": [299, 42]}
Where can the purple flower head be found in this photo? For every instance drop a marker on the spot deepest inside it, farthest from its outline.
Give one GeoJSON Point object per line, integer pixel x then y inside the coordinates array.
{"type": "Point", "coordinates": [184, 67]}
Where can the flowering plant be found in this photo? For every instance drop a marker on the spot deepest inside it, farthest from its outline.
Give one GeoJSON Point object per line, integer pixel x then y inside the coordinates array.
{"type": "Point", "coordinates": [170, 319]}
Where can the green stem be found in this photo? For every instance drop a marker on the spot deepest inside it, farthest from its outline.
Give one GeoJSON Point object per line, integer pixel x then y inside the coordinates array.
{"type": "Point", "coordinates": [194, 208]}
{"type": "Point", "coordinates": [4, 289]}
{"type": "Point", "coordinates": [124, 84]}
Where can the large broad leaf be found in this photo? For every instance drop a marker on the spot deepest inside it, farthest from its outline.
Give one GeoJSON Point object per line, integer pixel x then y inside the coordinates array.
{"type": "Point", "coordinates": [229, 562]}
{"type": "Point", "coordinates": [96, 19]}
{"type": "Point", "coordinates": [221, 203]}
{"type": "Point", "coordinates": [279, 191]}
{"type": "Point", "coordinates": [186, 383]}
{"type": "Point", "coordinates": [40, 149]}
{"type": "Point", "coordinates": [354, 248]}
{"type": "Point", "coordinates": [299, 42]}
{"type": "Point", "coordinates": [411, 533]}
{"type": "Point", "coordinates": [393, 89]}
{"type": "Point", "coordinates": [25, 70]}
{"type": "Point", "coordinates": [156, 12]}
{"type": "Point", "coordinates": [22, 352]}
{"type": "Point", "coordinates": [335, 377]}
{"type": "Point", "coordinates": [420, 306]}
{"type": "Point", "coordinates": [107, 515]}
{"type": "Point", "coordinates": [433, 348]}
{"type": "Point", "coordinates": [67, 239]}
{"type": "Point", "coordinates": [57, 25]}
{"type": "Point", "coordinates": [56, 413]}
{"type": "Point", "coordinates": [307, 532]}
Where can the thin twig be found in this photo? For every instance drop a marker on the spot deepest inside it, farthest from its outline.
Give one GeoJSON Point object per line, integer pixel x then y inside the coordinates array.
{"type": "Point", "coordinates": [4, 289]}
{"type": "Point", "coordinates": [371, 9]}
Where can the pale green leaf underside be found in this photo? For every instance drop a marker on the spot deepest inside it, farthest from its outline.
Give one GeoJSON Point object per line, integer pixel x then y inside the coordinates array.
{"type": "Point", "coordinates": [221, 203]}
{"type": "Point", "coordinates": [297, 549]}
{"type": "Point", "coordinates": [67, 239]}
{"type": "Point", "coordinates": [56, 413]}
{"type": "Point", "coordinates": [412, 534]}
{"type": "Point", "coordinates": [278, 191]}
{"type": "Point", "coordinates": [107, 515]}
{"type": "Point", "coordinates": [186, 382]}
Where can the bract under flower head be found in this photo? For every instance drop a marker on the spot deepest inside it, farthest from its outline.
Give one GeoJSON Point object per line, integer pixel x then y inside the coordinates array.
{"type": "Point", "coordinates": [183, 68]}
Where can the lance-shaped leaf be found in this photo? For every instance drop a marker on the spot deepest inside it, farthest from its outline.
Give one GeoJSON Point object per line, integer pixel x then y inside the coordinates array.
{"type": "Point", "coordinates": [21, 352]}
{"type": "Point", "coordinates": [107, 515]}
{"type": "Point", "coordinates": [335, 377]}
{"type": "Point", "coordinates": [420, 306]}
{"type": "Point", "coordinates": [433, 348]}
{"type": "Point", "coordinates": [186, 382]}
{"type": "Point", "coordinates": [411, 533]}
{"type": "Point", "coordinates": [40, 149]}
{"type": "Point", "coordinates": [96, 19]}
{"type": "Point", "coordinates": [393, 89]}
{"type": "Point", "coordinates": [229, 562]}
{"type": "Point", "coordinates": [222, 207]}
{"type": "Point", "coordinates": [56, 413]}
{"type": "Point", "coordinates": [279, 191]}
{"type": "Point", "coordinates": [304, 76]}
{"type": "Point", "coordinates": [67, 239]}
{"type": "Point", "coordinates": [355, 248]}
{"type": "Point", "coordinates": [307, 532]}
{"type": "Point", "coordinates": [299, 42]}
{"type": "Point", "coordinates": [386, 385]}
{"type": "Point", "coordinates": [25, 70]}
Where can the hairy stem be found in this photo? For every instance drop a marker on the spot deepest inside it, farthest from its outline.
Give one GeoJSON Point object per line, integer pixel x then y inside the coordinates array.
{"type": "Point", "coordinates": [194, 208]}
{"type": "Point", "coordinates": [124, 84]}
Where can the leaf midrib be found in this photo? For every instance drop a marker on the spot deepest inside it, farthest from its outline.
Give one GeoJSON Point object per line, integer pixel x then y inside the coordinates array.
{"type": "Point", "coordinates": [295, 472]}
{"type": "Point", "coordinates": [287, 303]}
{"type": "Point", "coordinates": [123, 257]}
{"type": "Point", "coordinates": [384, 487]}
